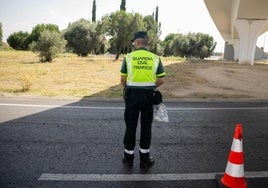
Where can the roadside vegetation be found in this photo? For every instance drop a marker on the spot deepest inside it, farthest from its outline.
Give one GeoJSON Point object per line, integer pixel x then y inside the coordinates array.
{"type": "Point", "coordinates": [67, 76]}
{"type": "Point", "coordinates": [98, 76]}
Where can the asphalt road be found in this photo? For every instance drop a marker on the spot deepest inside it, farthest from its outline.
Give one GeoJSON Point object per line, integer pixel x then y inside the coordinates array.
{"type": "Point", "coordinates": [66, 143]}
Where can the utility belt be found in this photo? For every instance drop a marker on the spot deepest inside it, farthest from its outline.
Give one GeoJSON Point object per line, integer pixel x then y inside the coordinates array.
{"type": "Point", "coordinates": [128, 91]}
{"type": "Point", "coordinates": [134, 90]}
{"type": "Point", "coordinates": [155, 95]}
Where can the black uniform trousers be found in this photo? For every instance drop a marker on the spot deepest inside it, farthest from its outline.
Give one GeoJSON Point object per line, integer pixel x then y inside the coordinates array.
{"type": "Point", "coordinates": [138, 102]}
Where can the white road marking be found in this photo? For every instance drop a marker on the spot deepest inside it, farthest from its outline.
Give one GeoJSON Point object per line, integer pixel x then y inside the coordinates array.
{"type": "Point", "coordinates": [62, 106]}
{"type": "Point", "coordinates": [219, 108]}
{"type": "Point", "coordinates": [140, 177]}
{"type": "Point", "coordinates": [121, 108]}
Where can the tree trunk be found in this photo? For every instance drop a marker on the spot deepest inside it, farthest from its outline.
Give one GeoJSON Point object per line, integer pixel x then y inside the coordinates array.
{"type": "Point", "coordinates": [119, 50]}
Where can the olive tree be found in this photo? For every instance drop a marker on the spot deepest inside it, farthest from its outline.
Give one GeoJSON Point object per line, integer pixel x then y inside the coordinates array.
{"type": "Point", "coordinates": [121, 26]}
{"type": "Point", "coordinates": [48, 45]}
{"type": "Point", "coordinates": [198, 45]}
{"type": "Point", "coordinates": [39, 28]}
{"type": "Point", "coordinates": [83, 38]}
{"type": "Point", "coordinates": [19, 40]}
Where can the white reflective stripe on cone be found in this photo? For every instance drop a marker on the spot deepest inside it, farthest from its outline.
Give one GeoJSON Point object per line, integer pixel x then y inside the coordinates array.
{"type": "Point", "coordinates": [235, 170]}
{"type": "Point", "coordinates": [237, 145]}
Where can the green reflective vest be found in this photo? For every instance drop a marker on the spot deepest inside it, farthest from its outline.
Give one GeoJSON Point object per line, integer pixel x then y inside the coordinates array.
{"type": "Point", "coordinates": [142, 66]}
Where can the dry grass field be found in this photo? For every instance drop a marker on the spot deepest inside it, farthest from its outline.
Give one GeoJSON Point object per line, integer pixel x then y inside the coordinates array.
{"type": "Point", "coordinates": [98, 77]}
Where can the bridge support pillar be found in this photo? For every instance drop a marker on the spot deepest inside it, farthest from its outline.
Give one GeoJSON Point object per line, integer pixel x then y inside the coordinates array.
{"type": "Point", "coordinates": [249, 31]}
{"type": "Point", "coordinates": [236, 49]}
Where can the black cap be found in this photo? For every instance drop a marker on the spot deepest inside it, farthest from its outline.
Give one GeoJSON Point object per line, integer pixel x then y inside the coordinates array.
{"type": "Point", "coordinates": [140, 34]}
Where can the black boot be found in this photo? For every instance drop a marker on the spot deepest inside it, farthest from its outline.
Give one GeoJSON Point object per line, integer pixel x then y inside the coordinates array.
{"type": "Point", "coordinates": [128, 159]}
{"type": "Point", "coordinates": [146, 160]}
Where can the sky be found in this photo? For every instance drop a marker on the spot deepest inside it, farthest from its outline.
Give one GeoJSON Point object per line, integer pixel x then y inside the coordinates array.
{"type": "Point", "coordinates": [184, 16]}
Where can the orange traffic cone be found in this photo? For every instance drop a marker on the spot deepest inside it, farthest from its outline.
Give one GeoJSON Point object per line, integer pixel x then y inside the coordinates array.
{"type": "Point", "coordinates": [234, 172]}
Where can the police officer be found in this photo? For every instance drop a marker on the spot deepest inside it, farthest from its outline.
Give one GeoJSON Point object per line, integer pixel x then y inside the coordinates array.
{"type": "Point", "coordinates": [141, 73]}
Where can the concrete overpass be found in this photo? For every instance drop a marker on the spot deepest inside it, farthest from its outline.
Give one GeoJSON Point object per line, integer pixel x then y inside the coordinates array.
{"type": "Point", "coordinates": [240, 22]}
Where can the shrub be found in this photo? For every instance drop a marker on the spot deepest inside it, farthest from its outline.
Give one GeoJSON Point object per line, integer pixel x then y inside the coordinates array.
{"type": "Point", "coordinates": [49, 44]}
